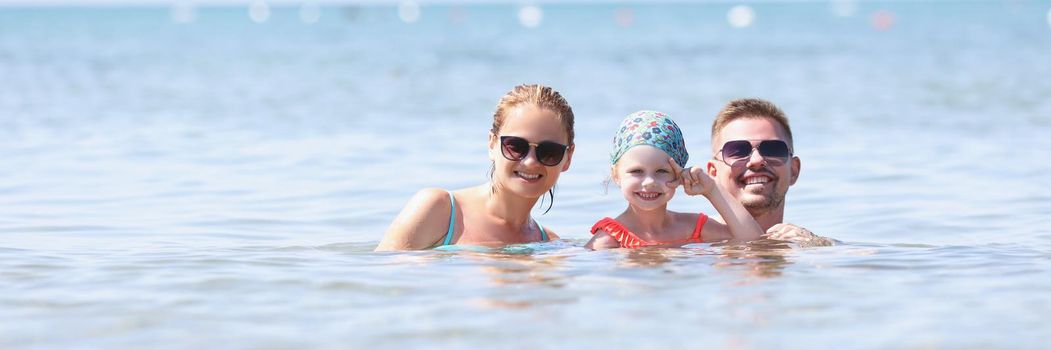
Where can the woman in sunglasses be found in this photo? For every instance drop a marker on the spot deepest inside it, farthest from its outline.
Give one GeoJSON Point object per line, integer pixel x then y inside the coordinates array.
{"type": "Point", "coordinates": [646, 163]}
{"type": "Point", "coordinates": [530, 144]}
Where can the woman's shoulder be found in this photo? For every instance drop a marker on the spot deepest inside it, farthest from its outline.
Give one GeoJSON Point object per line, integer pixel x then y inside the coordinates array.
{"type": "Point", "coordinates": [431, 195]}
{"type": "Point", "coordinates": [421, 223]}
{"type": "Point", "coordinates": [428, 201]}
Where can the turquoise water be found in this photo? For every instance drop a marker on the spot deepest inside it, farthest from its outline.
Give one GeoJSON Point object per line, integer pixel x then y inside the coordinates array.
{"type": "Point", "coordinates": [221, 183]}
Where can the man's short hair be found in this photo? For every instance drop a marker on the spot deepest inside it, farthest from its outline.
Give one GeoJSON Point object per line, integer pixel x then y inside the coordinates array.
{"type": "Point", "coordinates": [750, 108]}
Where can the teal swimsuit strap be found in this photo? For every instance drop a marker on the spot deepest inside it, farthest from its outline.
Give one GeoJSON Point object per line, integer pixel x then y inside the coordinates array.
{"type": "Point", "coordinates": [543, 234]}
{"type": "Point", "coordinates": [452, 220]}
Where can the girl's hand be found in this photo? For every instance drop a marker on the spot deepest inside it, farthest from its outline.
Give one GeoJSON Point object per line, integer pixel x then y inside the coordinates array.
{"type": "Point", "coordinates": [694, 180]}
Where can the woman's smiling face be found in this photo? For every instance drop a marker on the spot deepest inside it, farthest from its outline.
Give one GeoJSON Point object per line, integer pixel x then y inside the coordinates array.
{"type": "Point", "coordinates": [528, 177]}
{"type": "Point", "coordinates": [643, 174]}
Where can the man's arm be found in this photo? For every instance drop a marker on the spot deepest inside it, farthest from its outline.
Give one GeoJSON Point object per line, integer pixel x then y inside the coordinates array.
{"type": "Point", "coordinates": [741, 225]}
{"type": "Point", "coordinates": [795, 234]}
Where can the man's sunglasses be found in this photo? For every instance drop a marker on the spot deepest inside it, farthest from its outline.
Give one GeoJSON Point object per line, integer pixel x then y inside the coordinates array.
{"type": "Point", "coordinates": [736, 153]}
{"type": "Point", "coordinates": [516, 148]}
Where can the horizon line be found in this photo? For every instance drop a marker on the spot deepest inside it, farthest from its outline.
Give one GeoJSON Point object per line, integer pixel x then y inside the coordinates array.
{"type": "Point", "coordinates": [209, 3]}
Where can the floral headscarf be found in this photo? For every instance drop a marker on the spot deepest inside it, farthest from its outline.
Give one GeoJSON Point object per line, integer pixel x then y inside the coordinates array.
{"type": "Point", "coordinates": [649, 128]}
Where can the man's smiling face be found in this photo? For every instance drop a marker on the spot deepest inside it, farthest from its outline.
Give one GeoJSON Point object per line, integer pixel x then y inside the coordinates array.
{"type": "Point", "coordinates": [759, 183]}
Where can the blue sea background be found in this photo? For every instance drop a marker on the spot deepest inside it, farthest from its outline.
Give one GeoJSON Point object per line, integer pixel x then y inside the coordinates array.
{"type": "Point", "coordinates": [207, 176]}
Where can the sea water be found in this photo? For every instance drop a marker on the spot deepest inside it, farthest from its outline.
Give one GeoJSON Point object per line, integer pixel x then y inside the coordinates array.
{"type": "Point", "coordinates": [218, 176]}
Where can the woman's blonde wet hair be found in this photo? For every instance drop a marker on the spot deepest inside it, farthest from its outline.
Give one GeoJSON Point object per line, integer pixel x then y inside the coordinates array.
{"type": "Point", "coordinates": [539, 96]}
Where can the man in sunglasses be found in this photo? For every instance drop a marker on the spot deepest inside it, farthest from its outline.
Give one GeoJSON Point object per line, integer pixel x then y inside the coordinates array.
{"type": "Point", "coordinates": [754, 162]}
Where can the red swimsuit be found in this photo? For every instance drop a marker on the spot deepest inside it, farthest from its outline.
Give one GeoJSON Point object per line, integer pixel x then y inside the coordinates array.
{"type": "Point", "coordinates": [630, 240]}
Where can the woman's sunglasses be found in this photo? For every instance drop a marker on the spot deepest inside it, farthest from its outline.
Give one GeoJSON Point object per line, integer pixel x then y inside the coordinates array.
{"type": "Point", "coordinates": [736, 153]}
{"type": "Point", "coordinates": [516, 148]}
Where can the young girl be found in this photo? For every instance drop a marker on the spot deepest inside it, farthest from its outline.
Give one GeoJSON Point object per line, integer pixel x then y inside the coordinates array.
{"type": "Point", "coordinates": [647, 159]}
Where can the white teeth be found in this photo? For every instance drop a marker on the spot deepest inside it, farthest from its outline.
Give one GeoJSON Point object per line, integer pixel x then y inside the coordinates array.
{"type": "Point", "coordinates": [528, 176]}
{"type": "Point", "coordinates": [648, 195]}
{"type": "Point", "coordinates": [757, 180]}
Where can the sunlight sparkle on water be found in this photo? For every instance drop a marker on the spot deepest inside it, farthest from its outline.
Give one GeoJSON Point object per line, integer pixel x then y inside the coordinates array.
{"type": "Point", "coordinates": [624, 17]}
{"type": "Point", "coordinates": [883, 20]}
{"type": "Point", "coordinates": [740, 16]}
{"type": "Point", "coordinates": [530, 16]}
{"type": "Point", "coordinates": [409, 11]}
{"type": "Point", "coordinates": [259, 11]}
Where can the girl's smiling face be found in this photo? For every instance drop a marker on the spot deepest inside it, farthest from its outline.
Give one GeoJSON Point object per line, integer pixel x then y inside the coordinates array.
{"type": "Point", "coordinates": [645, 177]}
